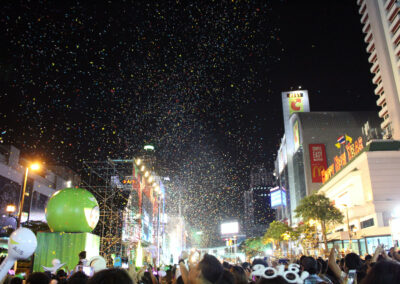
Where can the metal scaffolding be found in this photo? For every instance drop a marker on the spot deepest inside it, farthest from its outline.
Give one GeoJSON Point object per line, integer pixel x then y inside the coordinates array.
{"type": "Point", "coordinates": [103, 179]}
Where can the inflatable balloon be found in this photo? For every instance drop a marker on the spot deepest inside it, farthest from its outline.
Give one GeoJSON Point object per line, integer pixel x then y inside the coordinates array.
{"type": "Point", "coordinates": [98, 263]}
{"type": "Point", "coordinates": [21, 245]}
{"type": "Point", "coordinates": [72, 210]}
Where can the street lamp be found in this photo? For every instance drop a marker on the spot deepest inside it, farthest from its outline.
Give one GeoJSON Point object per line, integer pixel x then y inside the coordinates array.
{"type": "Point", "coordinates": [33, 167]}
{"type": "Point", "coordinates": [10, 209]}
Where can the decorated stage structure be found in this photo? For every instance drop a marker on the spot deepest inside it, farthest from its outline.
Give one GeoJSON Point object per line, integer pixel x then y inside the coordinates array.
{"type": "Point", "coordinates": [72, 214]}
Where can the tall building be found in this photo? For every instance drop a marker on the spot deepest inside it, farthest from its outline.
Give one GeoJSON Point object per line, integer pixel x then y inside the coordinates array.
{"type": "Point", "coordinates": [314, 148]}
{"type": "Point", "coordinates": [381, 20]}
{"type": "Point", "coordinates": [258, 211]}
{"type": "Point", "coordinates": [292, 102]}
{"type": "Point", "coordinates": [248, 219]}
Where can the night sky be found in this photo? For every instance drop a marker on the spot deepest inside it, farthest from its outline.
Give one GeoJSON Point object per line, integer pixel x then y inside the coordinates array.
{"type": "Point", "coordinates": [201, 82]}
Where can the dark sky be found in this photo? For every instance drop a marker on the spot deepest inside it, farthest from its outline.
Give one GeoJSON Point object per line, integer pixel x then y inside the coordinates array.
{"type": "Point", "coordinates": [202, 82]}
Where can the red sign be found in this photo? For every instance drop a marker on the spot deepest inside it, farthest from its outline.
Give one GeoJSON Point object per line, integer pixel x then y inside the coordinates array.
{"type": "Point", "coordinates": [317, 161]}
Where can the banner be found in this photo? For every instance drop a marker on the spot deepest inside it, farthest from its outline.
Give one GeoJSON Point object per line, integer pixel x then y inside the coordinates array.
{"type": "Point", "coordinates": [296, 135]}
{"type": "Point", "coordinates": [318, 161]}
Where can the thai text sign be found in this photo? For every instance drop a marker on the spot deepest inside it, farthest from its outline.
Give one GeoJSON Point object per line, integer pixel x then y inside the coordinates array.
{"type": "Point", "coordinates": [352, 150]}
{"type": "Point", "coordinates": [317, 161]}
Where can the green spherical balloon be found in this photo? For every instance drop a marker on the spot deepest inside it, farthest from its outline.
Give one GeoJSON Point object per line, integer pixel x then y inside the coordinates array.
{"type": "Point", "coordinates": [72, 210]}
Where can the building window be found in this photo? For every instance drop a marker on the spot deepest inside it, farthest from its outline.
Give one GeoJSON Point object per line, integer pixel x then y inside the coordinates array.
{"type": "Point", "coordinates": [367, 223]}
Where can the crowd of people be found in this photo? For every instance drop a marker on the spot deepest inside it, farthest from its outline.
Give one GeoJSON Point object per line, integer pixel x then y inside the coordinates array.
{"type": "Point", "coordinates": [381, 268]}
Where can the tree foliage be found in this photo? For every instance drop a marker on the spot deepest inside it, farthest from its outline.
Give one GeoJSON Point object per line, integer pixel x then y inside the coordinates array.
{"type": "Point", "coordinates": [253, 246]}
{"type": "Point", "coordinates": [276, 231]}
{"type": "Point", "coordinates": [320, 208]}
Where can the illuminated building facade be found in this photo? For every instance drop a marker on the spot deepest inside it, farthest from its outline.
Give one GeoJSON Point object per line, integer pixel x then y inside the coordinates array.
{"type": "Point", "coordinates": [313, 148]}
{"type": "Point", "coordinates": [381, 25]}
{"type": "Point", "coordinates": [366, 190]}
{"type": "Point", "coordinates": [258, 211]}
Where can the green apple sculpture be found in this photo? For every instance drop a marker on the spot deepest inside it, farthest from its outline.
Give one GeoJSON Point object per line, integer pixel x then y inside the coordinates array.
{"type": "Point", "coordinates": [72, 210]}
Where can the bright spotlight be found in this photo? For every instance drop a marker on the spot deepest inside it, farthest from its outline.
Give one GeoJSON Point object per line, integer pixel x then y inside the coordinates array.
{"type": "Point", "coordinates": [35, 166]}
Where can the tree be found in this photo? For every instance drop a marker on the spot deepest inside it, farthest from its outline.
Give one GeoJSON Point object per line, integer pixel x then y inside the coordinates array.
{"type": "Point", "coordinates": [278, 232]}
{"type": "Point", "coordinates": [253, 246]}
{"type": "Point", "coordinates": [321, 209]}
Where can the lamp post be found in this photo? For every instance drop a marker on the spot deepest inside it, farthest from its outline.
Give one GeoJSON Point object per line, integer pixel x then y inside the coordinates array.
{"type": "Point", "coordinates": [33, 167]}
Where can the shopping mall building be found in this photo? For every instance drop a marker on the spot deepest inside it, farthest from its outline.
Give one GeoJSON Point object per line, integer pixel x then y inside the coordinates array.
{"type": "Point", "coordinates": [365, 186]}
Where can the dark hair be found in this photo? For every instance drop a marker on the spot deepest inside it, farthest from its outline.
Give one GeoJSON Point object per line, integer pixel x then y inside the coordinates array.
{"type": "Point", "coordinates": [310, 265]}
{"type": "Point", "coordinates": [146, 278]}
{"type": "Point", "coordinates": [383, 272]}
{"type": "Point", "coordinates": [246, 265]}
{"type": "Point", "coordinates": [78, 278]}
{"type": "Point", "coordinates": [38, 278]}
{"type": "Point", "coordinates": [368, 257]}
{"type": "Point", "coordinates": [332, 276]}
{"type": "Point", "coordinates": [238, 274]}
{"type": "Point", "coordinates": [323, 264]}
{"type": "Point", "coordinates": [352, 261]}
{"type": "Point", "coordinates": [259, 261]}
{"type": "Point", "coordinates": [276, 280]}
{"type": "Point", "coordinates": [179, 280]}
{"type": "Point", "coordinates": [212, 270]}
{"type": "Point", "coordinates": [110, 276]}
{"type": "Point", "coordinates": [226, 265]}
{"type": "Point", "coordinates": [82, 254]}
{"type": "Point", "coordinates": [16, 280]}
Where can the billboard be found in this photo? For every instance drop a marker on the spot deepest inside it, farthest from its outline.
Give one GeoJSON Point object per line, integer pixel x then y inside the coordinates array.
{"type": "Point", "coordinates": [296, 135]}
{"type": "Point", "coordinates": [282, 156]}
{"type": "Point", "coordinates": [230, 228]}
{"type": "Point", "coordinates": [317, 161]}
{"type": "Point", "coordinates": [278, 197]}
{"type": "Point", "coordinates": [295, 101]}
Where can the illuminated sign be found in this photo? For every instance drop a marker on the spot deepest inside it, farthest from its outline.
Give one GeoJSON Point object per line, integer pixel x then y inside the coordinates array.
{"type": "Point", "coordinates": [295, 102]}
{"type": "Point", "coordinates": [149, 147]}
{"type": "Point", "coordinates": [229, 228]}
{"type": "Point", "coordinates": [317, 161]}
{"type": "Point", "coordinates": [352, 150]}
{"type": "Point", "coordinates": [278, 198]}
{"type": "Point", "coordinates": [296, 136]}
{"type": "Point", "coordinates": [295, 95]}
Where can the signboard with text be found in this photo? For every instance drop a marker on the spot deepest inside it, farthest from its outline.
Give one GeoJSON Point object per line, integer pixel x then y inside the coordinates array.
{"type": "Point", "coordinates": [317, 161]}
{"type": "Point", "coordinates": [352, 150]}
{"type": "Point", "coordinates": [295, 100]}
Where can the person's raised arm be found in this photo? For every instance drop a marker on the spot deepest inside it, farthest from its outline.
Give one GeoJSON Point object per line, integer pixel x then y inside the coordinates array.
{"type": "Point", "coordinates": [184, 272]}
{"type": "Point", "coordinates": [377, 252]}
{"type": "Point", "coordinates": [332, 263]}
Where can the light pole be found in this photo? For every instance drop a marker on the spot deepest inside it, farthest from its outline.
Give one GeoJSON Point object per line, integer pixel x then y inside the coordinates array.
{"type": "Point", "coordinates": [33, 167]}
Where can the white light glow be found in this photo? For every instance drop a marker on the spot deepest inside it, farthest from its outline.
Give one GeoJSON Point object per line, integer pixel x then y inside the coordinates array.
{"type": "Point", "coordinates": [229, 228]}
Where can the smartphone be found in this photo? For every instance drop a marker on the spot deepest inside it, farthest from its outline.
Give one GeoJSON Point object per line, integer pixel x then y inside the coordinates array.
{"type": "Point", "coordinates": [351, 277]}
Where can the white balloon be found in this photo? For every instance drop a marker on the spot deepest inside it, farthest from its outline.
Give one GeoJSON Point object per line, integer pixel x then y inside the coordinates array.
{"type": "Point", "coordinates": [21, 245]}
{"type": "Point", "coordinates": [98, 263]}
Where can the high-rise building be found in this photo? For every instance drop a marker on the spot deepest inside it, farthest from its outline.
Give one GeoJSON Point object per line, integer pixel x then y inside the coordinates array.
{"type": "Point", "coordinates": [292, 102]}
{"type": "Point", "coordinates": [381, 20]}
{"type": "Point", "coordinates": [248, 218]}
{"type": "Point", "coordinates": [260, 184]}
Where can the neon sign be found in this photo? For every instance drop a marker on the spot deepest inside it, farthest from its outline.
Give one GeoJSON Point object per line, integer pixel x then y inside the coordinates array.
{"type": "Point", "coordinates": [352, 150]}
